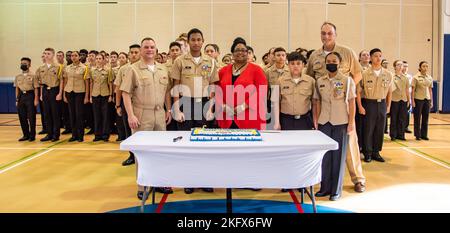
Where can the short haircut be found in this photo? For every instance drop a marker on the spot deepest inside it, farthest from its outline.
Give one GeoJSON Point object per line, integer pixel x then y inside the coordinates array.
{"type": "Point", "coordinates": [308, 54]}
{"type": "Point", "coordinates": [26, 59]}
{"type": "Point", "coordinates": [71, 52]}
{"type": "Point", "coordinates": [126, 55]}
{"type": "Point", "coordinates": [174, 44]}
{"type": "Point", "coordinates": [396, 61]}
{"type": "Point", "coordinates": [100, 54]}
{"type": "Point", "coordinates": [134, 46]}
{"type": "Point", "coordinates": [249, 48]}
{"type": "Point", "coordinates": [60, 52]}
{"type": "Point", "coordinates": [405, 62]}
{"type": "Point", "coordinates": [336, 54]}
{"type": "Point", "coordinates": [329, 23]}
{"type": "Point", "coordinates": [147, 38]}
{"type": "Point", "coordinates": [114, 53]}
{"type": "Point", "coordinates": [296, 56]}
{"type": "Point", "coordinates": [84, 51]}
{"type": "Point", "coordinates": [50, 50]}
{"type": "Point", "coordinates": [375, 50]}
{"type": "Point", "coordinates": [279, 49]}
{"type": "Point", "coordinates": [93, 52]}
{"type": "Point", "coordinates": [265, 55]}
{"type": "Point", "coordinates": [193, 31]}
{"type": "Point", "coordinates": [238, 40]}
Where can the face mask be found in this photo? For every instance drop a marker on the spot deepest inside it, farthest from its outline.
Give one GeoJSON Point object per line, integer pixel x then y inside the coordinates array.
{"type": "Point", "coordinates": [332, 67]}
{"type": "Point", "coordinates": [24, 67]}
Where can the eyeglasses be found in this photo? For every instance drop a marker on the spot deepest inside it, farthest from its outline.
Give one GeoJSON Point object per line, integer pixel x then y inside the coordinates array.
{"type": "Point", "coordinates": [240, 50]}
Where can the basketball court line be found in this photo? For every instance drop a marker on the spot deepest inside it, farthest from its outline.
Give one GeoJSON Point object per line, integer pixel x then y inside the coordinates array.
{"type": "Point", "coordinates": [25, 160]}
{"type": "Point", "coordinates": [429, 158]}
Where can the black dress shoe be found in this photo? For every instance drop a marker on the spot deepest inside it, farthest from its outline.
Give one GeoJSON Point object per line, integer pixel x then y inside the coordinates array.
{"type": "Point", "coordinates": [106, 139]}
{"type": "Point", "coordinates": [285, 190]}
{"type": "Point", "coordinates": [46, 138]}
{"type": "Point", "coordinates": [425, 138]}
{"type": "Point", "coordinates": [80, 139]}
{"type": "Point", "coordinates": [188, 190]}
{"type": "Point", "coordinates": [418, 139]}
{"type": "Point", "coordinates": [119, 139]}
{"type": "Point", "coordinates": [90, 132]}
{"type": "Point", "coordinates": [322, 194]}
{"type": "Point", "coordinates": [401, 138]}
{"type": "Point", "coordinates": [208, 190]}
{"type": "Point", "coordinates": [140, 195]}
{"type": "Point", "coordinates": [72, 139]}
{"type": "Point", "coordinates": [23, 139]}
{"type": "Point", "coordinates": [165, 190]}
{"type": "Point", "coordinates": [32, 139]}
{"type": "Point", "coordinates": [253, 189]}
{"type": "Point", "coordinates": [55, 139]}
{"type": "Point", "coordinates": [335, 197]}
{"type": "Point", "coordinates": [367, 158]}
{"type": "Point", "coordinates": [393, 139]}
{"type": "Point", "coordinates": [96, 139]}
{"type": "Point", "coordinates": [408, 131]}
{"type": "Point", "coordinates": [66, 132]}
{"type": "Point", "coordinates": [42, 132]}
{"type": "Point", "coordinates": [128, 161]}
{"type": "Point", "coordinates": [377, 157]}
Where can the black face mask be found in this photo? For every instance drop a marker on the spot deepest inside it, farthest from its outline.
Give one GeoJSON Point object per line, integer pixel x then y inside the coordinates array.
{"type": "Point", "coordinates": [332, 67]}
{"type": "Point", "coordinates": [24, 67]}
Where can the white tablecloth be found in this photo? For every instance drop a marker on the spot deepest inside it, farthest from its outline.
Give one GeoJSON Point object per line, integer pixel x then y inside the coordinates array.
{"type": "Point", "coordinates": [286, 159]}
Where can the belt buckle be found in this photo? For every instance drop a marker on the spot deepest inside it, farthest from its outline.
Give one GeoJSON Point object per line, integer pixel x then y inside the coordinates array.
{"type": "Point", "coordinates": [48, 88]}
{"type": "Point", "coordinates": [379, 100]}
{"type": "Point", "coordinates": [24, 92]}
{"type": "Point", "coordinates": [157, 107]}
{"type": "Point", "coordinates": [198, 100]}
{"type": "Point", "coordinates": [297, 117]}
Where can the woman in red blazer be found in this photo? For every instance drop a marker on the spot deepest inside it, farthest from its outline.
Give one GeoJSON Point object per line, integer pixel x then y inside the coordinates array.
{"type": "Point", "coordinates": [241, 92]}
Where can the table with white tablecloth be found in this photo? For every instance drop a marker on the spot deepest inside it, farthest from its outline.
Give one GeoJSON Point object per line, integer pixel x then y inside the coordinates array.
{"type": "Point", "coordinates": [283, 159]}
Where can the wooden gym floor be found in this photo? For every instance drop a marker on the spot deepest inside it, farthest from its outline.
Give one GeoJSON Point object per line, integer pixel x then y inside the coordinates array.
{"type": "Point", "coordinates": [88, 176]}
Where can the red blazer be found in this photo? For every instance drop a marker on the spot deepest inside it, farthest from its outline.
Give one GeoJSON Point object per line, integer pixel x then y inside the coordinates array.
{"type": "Point", "coordinates": [251, 88]}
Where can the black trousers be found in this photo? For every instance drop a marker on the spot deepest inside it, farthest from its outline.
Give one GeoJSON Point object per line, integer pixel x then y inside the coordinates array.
{"type": "Point", "coordinates": [359, 125]}
{"type": "Point", "coordinates": [421, 115]}
{"type": "Point", "coordinates": [399, 113]}
{"type": "Point", "coordinates": [101, 116]}
{"type": "Point", "coordinates": [112, 116]}
{"type": "Point", "coordinates": [193, 113]}
{"type": "Point", "coordinates": [127, 129]}
{"type": "Point", "coordinates": [52, 111]}
{"type": "Point", "coordinates": [333, 163]}
{"type": "Point", "coordinates": [65, 116]}
{"type": "Point", "coordinates": [88, 116]}
{"type": "Point", "coordinates": [290, 122]}
{"type": "Point", "coordinates": [374, 123]}
{"type": "Point", "coordinates": [41, 110]}
{"type": "Point", "coordinates": [76, 113]}
{"type": "Point", "coordinates": [27, 114]}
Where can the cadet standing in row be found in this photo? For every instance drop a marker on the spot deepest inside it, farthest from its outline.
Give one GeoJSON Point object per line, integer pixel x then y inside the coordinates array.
{"type": "Point", "coordinates": [174, 53]}
{"type": "Point", "coordinates": [335, 97]}
{"type": "Point", "coordinates": [27, 89]}
{"type": "Point", "coordinates": [76, 94]}
{"type": "Point", "coordinates": [400, 103]}
{"type": "Point", "coordinates": [121, 135]}
{"type": "Point", "coordinates": [51, 93]}
{"type": "Point", "coordinates": [376, 87]}
{"type": "Point", "coordinates": [100, 97]}
{"type": "Point", "coordinates": [193, 73]}
{"type": "Point", "coordinates": [146, 91]}
{"type": "Point", "coordinates": [422, 100]}
{"type": "Point", "coordinates": [134, 54]}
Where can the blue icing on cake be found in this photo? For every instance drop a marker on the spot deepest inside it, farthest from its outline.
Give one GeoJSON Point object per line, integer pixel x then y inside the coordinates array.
{"type": "Point", "coordinates": [206, 134]}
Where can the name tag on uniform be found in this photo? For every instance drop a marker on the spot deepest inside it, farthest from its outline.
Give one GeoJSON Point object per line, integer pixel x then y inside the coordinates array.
{"type": "Point", "coordinates": [285, 87]}
{"type": "Point", "coordinates": [369, 81]}
{"type": "Point", "coordinates": [322, 85]}
{"type": "Point", "coordinates": [188, 67]}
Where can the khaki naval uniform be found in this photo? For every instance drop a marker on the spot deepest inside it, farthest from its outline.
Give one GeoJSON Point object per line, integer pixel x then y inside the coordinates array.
{"type": "Point", "coordinates": [75, 91]}
{"type": "Point", "coordinates": [375, 90]}
{"type": "Point", "coordinates": [334, 94]}
{"type": "Point", "coordinates": [27, 84]}
{"type": "Point", "coordinates": [100, 79]}
{"type": "Point", "coordinates": [194, 94]}
{"type": "Point", "coordinates": [147, 90]}
{"type": "Point", "coordinates": [399, 107]}
{"type": "Point", "coordinates": [422, 98]}
{"type": "Point", "coordinates": [295, 101]}
{"type": "Point", "coordinates": [49, 78]}
{"type": "Point", "coordinates": [316, 68]}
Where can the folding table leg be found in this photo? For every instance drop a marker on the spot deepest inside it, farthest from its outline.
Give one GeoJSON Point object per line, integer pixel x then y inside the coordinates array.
{"type": "Point", "coordinates": [153, 195]}
{"type": "Point", "coordinates": [144, 198]}
{"type": "Point", "coordinates": [229, 201]}
{"type": "Point", "coordinates": [313, 199]}
{"type": "Point", "coordinates": [302, 194]}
